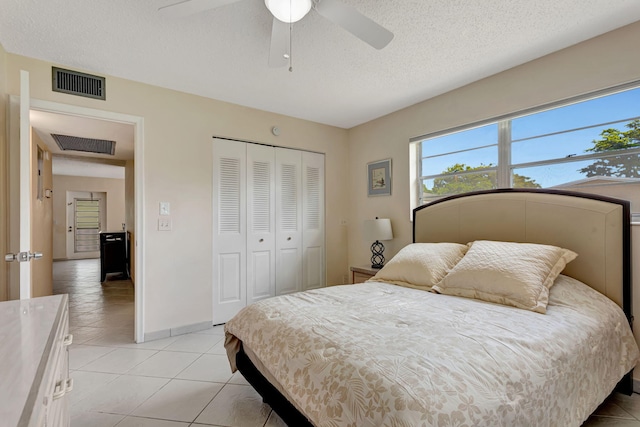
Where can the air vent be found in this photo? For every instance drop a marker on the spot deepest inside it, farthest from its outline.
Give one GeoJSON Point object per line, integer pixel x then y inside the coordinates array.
{"type": "Point", "coordinates": [87, 145]}
{"type": "Point", "coordinates": [75, 83]}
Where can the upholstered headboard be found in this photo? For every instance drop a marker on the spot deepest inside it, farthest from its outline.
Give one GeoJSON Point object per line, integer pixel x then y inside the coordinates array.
{"type": "Point", "coordinates": [595, 227]}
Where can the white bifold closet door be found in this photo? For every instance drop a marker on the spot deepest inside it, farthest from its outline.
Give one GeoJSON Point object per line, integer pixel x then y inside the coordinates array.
{"type": "Point", "coordinates": [230, 229]}
{"type": "Point", "coordinates": [313, 220]}
{"type": "Point", "coordinates": [289, 223]}
{"type": "Point", "coordinates": [268, 221]}
{"type": "Point", "coordinates": [261, 213]}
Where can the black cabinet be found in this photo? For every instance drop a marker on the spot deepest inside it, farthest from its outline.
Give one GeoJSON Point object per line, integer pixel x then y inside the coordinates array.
{"type": "Point", "coordinates": [114, 253]}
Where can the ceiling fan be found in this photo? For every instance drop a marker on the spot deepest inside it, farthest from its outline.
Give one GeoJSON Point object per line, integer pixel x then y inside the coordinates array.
{"type": "Point", "coordinates": [286, 12]}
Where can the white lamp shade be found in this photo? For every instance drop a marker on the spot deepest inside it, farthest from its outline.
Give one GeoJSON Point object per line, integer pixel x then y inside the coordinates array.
{"type": "Point", "coordinates": [378, 229]}
{"type": "Point", "coordinates": [288, 10]}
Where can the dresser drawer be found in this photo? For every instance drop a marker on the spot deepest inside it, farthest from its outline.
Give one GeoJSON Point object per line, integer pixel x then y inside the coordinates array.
{"type": "Point", "coordinates": [36, 374]}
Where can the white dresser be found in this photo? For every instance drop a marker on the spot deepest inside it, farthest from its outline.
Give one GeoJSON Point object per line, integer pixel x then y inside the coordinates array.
{"type": "Point", "coordinates": [34, 362]}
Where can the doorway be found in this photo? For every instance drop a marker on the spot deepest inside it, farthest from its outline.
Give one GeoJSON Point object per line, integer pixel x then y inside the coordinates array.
{"type": "Point", "coordinates": [135, 221]}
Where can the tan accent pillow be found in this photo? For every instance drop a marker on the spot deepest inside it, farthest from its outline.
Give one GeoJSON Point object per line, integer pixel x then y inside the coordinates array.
{"type": "Point", "coordinates": [516, 274]}
{"type": "Point", "coordinates": [421, 265]}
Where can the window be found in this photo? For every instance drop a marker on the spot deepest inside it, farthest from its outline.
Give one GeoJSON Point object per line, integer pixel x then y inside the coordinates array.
{"type": "Point", "coordinates": [459, 162]}
{"type": "Point", "coordinates": [583, 144]}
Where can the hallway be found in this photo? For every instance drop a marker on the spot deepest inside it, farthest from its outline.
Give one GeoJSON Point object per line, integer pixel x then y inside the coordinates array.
{"type": "Point", "coordinates": [95, 309]}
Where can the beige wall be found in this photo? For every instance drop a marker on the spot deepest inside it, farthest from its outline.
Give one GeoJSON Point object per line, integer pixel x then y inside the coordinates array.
{"type": "Point", "coordinates": [177, 162]}
{"type": "Point", "coordinates": [41, 221]}
{"type": "Point", "coordinates": [130, 212]}
{"type": "Point", "coordinates": [598, 63]}
{"type": "Point", "coordinates": [115, 205]}
{"type": "Point", "coordinates": [3, 178]}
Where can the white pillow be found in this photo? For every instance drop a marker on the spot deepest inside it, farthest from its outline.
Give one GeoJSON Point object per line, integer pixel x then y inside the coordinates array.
{"type": "Point", "coordinates": [421, 265]}
{"type": "Point", "coordinates": [516, 274]}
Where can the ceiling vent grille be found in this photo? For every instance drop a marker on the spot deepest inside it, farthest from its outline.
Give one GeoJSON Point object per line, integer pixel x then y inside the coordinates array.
{"type": "Point", "coordinates": [76, 83]}
{"type": "Point", "coordinates": [87, 145]}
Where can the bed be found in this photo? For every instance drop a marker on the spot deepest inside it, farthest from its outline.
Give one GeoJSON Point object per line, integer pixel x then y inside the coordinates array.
{"type": "Point", "coordinates": [448, 341]}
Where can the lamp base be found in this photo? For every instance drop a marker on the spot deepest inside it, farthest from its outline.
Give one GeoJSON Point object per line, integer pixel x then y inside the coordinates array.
{"type": "Point", "coordinates": [377, 259]}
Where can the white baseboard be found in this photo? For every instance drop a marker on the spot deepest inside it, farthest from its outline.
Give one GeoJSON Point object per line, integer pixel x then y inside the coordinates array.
{"type": "Point", "coordinates": [157, 335]}
{"type": "Point", "coordinates": [180, 330]}
{"type": "Point", "coordinates": [195, 327]}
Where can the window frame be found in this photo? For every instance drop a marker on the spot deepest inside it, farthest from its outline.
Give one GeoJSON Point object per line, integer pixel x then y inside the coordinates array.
{"type": "Point", "coordinates": [504, 168]}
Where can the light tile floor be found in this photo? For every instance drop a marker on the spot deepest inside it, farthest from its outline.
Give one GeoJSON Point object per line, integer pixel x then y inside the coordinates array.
{"type": "Point", "coordinates": [177, 381]}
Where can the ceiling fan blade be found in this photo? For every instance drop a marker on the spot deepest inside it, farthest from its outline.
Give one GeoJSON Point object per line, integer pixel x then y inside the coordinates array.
{"type": "Point", "coordinates": [191, 7]}
{"type": "Point", "coordinates": [356, 23]}
{"type": "Point", "coordinates": [279, 44]}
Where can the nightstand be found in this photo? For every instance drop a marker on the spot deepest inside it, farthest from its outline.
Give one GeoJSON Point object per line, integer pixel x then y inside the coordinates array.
{"type": "Point", "coordinates": [360, 274]}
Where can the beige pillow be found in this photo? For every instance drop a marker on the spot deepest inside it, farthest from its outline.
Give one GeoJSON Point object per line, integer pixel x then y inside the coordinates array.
{"type": "Point", "coordinates": [516, 274]}
{"type": "Point", "coordinates": [421, 265]}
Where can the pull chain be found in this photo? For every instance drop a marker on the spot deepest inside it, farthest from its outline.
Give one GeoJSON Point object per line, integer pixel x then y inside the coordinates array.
{"type": "Point", "coordinates": [290, 37]}
{"type": "Point", "coordinates": [290, 56]}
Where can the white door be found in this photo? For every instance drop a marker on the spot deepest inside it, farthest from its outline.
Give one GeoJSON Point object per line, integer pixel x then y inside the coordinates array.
{"type": "Point", "coordinates": [288, 221]}
{"type": "Point", "coordinates": [20, 190]}
{"type": "Point", "coordinates": [313, 270]}
{"type": "Point", "coordinates": [261, 277]}
{"type": "Point", "coordinates": [229, 229]}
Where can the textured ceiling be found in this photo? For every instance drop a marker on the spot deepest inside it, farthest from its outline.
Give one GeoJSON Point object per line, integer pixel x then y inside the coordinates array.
{"type": "Point", "coordinates": [337, 79]}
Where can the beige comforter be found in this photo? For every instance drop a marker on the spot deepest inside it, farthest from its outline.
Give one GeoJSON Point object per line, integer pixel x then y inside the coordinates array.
{"type": "Point", "coordinates": [377, 354]}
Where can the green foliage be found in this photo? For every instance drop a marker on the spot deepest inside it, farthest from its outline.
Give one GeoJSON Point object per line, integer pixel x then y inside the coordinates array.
{"type": "Point", "coordinates": [483, 179]}
{"type": "Point", "coordinates": [521, 181]}
{"type": "Point", "coordinates": [622, 165]}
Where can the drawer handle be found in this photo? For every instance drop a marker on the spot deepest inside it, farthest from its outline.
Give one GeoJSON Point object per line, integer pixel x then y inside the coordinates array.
{"type": "Point", "coordinates": [261, 240]}
{"type": "Point", "coordinates": [59, 390]}
{"type": "Point", "coordinates": [288, 238]}
{"type": "Point", "coordinates": [67, 340]}
{"type": "Point", "coordinates": [62, 388]}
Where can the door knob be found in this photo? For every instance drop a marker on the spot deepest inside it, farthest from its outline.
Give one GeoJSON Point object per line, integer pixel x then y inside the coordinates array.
{"type": "Point", "coordinates": [22, 256]}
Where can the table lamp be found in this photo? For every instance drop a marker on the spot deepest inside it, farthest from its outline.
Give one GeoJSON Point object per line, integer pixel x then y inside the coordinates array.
{"type": "Point", "coordinates": [377, 229]}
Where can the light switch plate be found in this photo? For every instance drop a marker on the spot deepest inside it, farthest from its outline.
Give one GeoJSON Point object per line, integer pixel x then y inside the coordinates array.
{"type": "Point", "coordinates": [164, 224]}
{"type": "Point", "coordinates": [165, 208]}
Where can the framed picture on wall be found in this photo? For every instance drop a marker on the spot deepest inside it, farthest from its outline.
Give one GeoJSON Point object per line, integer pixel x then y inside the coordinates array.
{"type": "Point", "coordinates": [379, 178]}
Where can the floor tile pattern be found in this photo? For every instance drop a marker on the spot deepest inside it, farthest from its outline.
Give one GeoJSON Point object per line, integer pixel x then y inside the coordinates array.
{"type": "Point", "coordinates": [178, 381]}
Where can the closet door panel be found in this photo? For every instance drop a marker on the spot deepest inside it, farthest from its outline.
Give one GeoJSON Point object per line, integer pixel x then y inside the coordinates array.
{"type": "Point", "coordinates": [230, 277]}
{"type": "Point", "coordinates": [288, 221]}
{"type": "Point", "coordinates": [229, 229]}
{"type": "Point", "coordinates": [260, 222]}
{"type": "Point", "coordinates": [313, 264]}
{"type": "Point", "coordinates": [262, 268]}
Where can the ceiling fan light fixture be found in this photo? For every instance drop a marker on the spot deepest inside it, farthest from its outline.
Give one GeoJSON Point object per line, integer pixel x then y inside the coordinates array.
{"type": "Point", "coordinates": [288, 10]}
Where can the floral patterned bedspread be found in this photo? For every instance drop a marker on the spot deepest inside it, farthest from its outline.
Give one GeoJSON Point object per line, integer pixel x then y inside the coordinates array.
{"type": "Point", "coordinates": [377, 354]}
